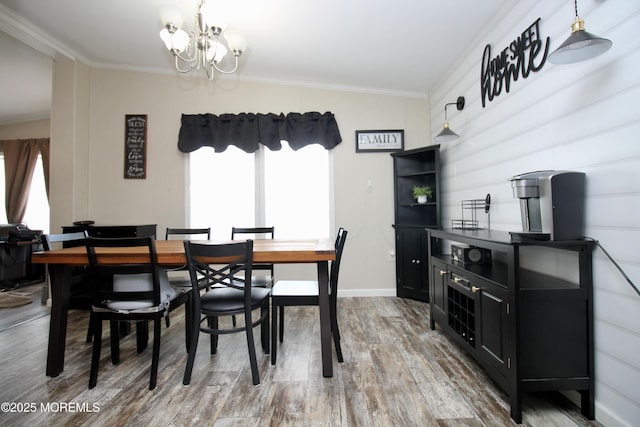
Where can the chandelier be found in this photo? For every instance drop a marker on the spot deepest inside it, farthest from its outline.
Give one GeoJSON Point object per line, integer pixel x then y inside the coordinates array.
{"type": "Point", "coordinates": [203, 47]}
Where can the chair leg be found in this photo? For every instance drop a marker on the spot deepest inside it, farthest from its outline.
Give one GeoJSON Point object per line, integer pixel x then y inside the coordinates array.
{"type": "Point", "coordinates": [155, 358]}
{"type": "Point", "coordinates": [193, 346]}
{"type": "Point", "coordinates": [187, 325]}
{"type": "Point", "coordinates": [142, 335]}
{"type": "Point", "coordinates": [281, 323]}
{"type": "Point", "coordinates": [336, 342]}
{"type": "Point", "coordinates": [264, 328]}
{"type": "Point", "coordinates": [213, 324]}
{"type": "Point", "coordinates": [115, 341]}
{"type": "Point", "coordinates": [252, 348]}
{"type": "Point", "coordinates": [274, 333]}
{"type": "Point", "coordinates": [335, 331]}
{"type": "Point", "coordinates": [95, 357]}
{"type": "Point", "coordinates": [90, 328]}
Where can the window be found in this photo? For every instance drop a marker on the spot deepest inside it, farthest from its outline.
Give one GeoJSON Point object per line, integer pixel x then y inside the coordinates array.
{"type": "Point", "coordinates": [287, 189]}
{"type": "Point", "coordinates": [37, 213]}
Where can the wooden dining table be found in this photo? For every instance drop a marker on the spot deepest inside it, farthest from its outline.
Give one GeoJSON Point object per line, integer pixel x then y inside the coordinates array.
{"type": "Point", "coordinates": [171, 254]}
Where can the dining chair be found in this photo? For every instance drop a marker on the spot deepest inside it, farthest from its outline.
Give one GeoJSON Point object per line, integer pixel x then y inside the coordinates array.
{"type": "Point", "coordinates": [185, 234]}
{"type": "Point", "coordinates": [127, 292]}
{"type": "Point", "coordinates": [306, 293]}
{"type": "Point", "coordinates": [80, 290]}
{"type": "Point", "coordinates": [181, 281]}
{"type": "Point", "coordinates": [265, 280]}
{"type": "Point", "coordinates": [213, 268]}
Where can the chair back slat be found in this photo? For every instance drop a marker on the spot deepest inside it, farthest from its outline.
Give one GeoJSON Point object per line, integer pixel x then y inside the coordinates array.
{"type": "Point", "coordinates": [187, 233]}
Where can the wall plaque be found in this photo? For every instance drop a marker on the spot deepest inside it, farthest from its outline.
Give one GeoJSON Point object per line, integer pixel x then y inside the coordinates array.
{"type": "Point", "coordinates": [135, 146]}
{"type": "Point", "coordinates": [372, 141]}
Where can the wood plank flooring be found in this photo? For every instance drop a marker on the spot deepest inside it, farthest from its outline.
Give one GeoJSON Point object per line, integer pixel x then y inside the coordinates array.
{"type": "Point", "coordinates": [397, 372]}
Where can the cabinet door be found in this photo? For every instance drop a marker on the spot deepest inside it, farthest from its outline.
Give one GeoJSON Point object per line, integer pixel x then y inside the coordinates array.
{"type": "Point", "coordinates": [438, 291]}
{"type": "Point", "coordinates": [492, 329]}
{"type": "Point", "coordinates": [412, 273]}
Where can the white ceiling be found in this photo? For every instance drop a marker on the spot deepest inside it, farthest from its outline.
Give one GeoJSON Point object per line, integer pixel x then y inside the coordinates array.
{"type": "Point", "coordinates": [400, 46]}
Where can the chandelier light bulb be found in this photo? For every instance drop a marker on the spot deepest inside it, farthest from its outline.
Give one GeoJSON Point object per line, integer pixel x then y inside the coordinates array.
{"type": "Point", "coordinates": [174, 38]}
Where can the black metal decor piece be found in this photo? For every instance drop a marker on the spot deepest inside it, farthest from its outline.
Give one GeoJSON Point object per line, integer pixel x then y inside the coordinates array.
{"type": "Point", "coordinates": [523, 55]}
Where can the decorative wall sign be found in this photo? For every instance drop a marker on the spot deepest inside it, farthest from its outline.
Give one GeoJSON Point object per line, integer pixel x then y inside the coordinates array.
{"type": "Point", "coordinates": [135, 146]}
{"type": "Point", "coordinates": [368, 141]}
{"type": "Point", "coordinates": [522, 56]}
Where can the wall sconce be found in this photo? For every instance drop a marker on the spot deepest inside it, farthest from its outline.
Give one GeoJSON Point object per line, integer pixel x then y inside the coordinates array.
{"type": "Point", "coordinates": [446, 134]}
{"type": "Point", "coordinates": [580, 45]}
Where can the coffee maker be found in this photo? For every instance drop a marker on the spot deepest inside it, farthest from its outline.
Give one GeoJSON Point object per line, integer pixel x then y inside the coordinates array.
{"type": "Point", "coordinates": [551, 205]}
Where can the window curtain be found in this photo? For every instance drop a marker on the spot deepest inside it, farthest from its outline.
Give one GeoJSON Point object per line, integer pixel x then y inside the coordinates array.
{"type": "Point", "coordinates": [20, 157]}
{"type": "Point", "coordinates": [247, 130]}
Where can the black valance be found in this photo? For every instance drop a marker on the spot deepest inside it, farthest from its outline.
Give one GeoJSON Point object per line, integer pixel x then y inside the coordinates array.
{"type": "Point", "coordinates": [247, 130]}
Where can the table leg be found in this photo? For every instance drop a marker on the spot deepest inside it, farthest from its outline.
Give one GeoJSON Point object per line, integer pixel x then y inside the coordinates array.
{"type": "Point", "coordinates": [325, 318]}
{"type": "Point", "coordinates": [60, 278]}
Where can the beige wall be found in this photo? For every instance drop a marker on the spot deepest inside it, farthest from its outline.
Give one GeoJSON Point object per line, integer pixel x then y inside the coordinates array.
{"type": "Point", "coordinates": [34, 129]}
{"type": "Point", "coordinates": [106, 197]}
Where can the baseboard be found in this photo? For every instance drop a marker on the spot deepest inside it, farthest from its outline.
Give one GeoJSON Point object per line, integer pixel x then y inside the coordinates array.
{"type": "Point", "coordinates": [367, 292]}
{"type": "Point", "coordinates": [608, 418]}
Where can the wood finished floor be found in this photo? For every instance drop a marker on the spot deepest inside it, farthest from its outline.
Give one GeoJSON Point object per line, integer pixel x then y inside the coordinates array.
{"type": "Point", "coordinates": [397, 372]}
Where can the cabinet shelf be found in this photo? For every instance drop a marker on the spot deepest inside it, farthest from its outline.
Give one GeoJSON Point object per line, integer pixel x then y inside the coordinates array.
{"type": "Point", "coordinates": [418, 205]}
{"type": "Point", "coordinates": [416, 174]}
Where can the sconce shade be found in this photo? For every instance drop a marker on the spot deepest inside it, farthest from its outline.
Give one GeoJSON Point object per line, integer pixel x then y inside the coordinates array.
{"type": "Point", "coordinates": [446, 134]}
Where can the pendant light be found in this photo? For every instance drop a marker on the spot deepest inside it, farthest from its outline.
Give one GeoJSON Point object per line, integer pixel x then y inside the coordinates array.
{"type": "Point", "coordinates": [580, 46]}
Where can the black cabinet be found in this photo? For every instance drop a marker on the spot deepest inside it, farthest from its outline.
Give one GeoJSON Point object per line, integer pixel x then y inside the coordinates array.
{"type": "Point", "coordinates": [110, 231]}
{"type": "Point", "coordinates": [411, 168]}
{"type": "Point", "coordinates": [530, 330]}
{"type": "Point", "coordinates": [412, 264]}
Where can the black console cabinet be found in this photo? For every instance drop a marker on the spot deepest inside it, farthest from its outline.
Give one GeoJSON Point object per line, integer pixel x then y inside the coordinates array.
{"type": "Point", "coordinates": [414, 167]}
{"type": "Point", "coordinates": [111, 231]}
{"type": "Point", "coordinates": [529, 330]}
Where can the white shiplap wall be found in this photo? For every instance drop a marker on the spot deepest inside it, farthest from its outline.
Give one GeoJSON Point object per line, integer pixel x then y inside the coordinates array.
{"type": "Point", "coordinates": [583, 117]}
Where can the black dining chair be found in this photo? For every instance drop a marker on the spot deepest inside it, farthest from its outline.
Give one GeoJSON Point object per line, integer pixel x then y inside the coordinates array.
{"type": "Point", "coordinates": [264, 280]}
{"type": "Point", "coordinates": [127, 292]}
{"type": "Point", "coordinates": [303, 293]}
{"type": "Point", "coordinates": [182, 282]}
{"type": "Point", "coordinates": [213, 270]}
{"type": "Point", "coordinates": [79, 288]}
{"type": "Point", "coordinates": [260, 280]}
{"type": "Point", "coordinates": [185, 234]}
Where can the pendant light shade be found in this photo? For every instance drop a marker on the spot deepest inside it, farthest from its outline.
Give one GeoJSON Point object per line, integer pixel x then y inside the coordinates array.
{"type": "Point", "coordinates": [580, 46]}
{"type": "Point", "coordinates": [446, 134]}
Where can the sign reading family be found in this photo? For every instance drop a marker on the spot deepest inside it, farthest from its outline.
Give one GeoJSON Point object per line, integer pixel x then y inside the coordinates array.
{"type": "Point", "coordinates": [379, 140]}
{"type": "Point", "coordinates": [521, 57]}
